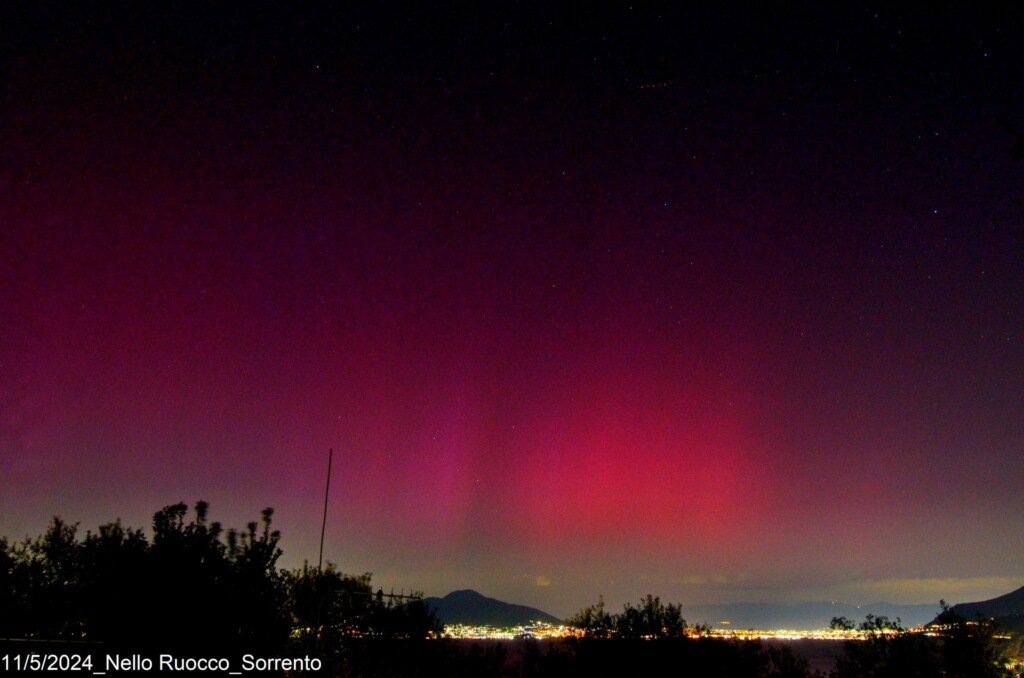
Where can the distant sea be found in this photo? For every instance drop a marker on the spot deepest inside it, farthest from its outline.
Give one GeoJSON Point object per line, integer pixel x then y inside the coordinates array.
{"type": "Point", "coordinates": [820, 653]}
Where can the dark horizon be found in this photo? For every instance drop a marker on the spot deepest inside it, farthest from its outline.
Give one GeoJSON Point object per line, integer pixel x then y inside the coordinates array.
{"type": "Point", "coordinates": [714, 303]}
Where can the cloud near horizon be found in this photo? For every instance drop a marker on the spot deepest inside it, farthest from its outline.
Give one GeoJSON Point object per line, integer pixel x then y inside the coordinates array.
{"type": "Point", "coordinates": [952, 589]}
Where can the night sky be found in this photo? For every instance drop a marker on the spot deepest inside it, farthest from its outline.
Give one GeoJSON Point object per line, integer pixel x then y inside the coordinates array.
{"type": "Point", "coordinates": [711, 303]}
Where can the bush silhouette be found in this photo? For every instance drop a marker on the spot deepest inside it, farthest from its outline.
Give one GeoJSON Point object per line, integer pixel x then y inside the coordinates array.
{"type": "Point", "coordinates": [192, 585]}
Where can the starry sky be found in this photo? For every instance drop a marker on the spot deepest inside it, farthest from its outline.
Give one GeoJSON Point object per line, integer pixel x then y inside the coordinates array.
{"type": "Point", "coordinates": [715, 303]}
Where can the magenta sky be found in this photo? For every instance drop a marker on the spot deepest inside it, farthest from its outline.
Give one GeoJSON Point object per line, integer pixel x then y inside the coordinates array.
{"type": "Point", "coordinates": [752, 334]}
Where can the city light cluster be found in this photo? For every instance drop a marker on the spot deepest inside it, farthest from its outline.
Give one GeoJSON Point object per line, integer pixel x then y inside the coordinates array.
{"type": "Point", "coordinates": [542, 631]}
{"type": "Point", "coordinates": [789, 634]}
{"type": "Point", "coordinates": [537, 631]}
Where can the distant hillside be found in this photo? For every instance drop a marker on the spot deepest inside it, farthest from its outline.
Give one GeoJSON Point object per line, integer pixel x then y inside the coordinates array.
{"type": "Point", "coordinates": [801, 616]}
{"type": "Point", "coordinates": [1007, 611]}
{"type": "Point", "coordinates": [1009, 605]}
{"type": "Point", "coordinates": [469, 607]}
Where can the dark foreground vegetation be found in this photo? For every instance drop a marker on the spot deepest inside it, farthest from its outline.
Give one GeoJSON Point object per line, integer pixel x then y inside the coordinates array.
{"type": "Point", "coordinates": [953, 646]}
{"type": "Point", "coordinates": [194, 589]}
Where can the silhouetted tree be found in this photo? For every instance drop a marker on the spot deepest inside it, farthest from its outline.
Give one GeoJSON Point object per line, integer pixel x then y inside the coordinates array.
{"type": "Point", "coordinates": [887, 650]}
{"type": "Point", "coordinates": [197, 586]}
{"type": "Point", "coordinates": [185, 588]}
{"type": "Point", "coordinates": [338, 617]}
{"type": "Point", "coordinates": [47, 577]}
{"type": "Point", "coordinates": [326, 604]}
{"type": "Point", "coordinates": [114, 566]}
{"type": "Point", "coordinates": [257, 593]}
{"type": "Point", "coordinates": [842, 624]}
{"type": "Point", "coordinates": [953, 648]}
{"type": "Point", "coordinates": [969, 647]}
{"type": "Point", "coordinates": [216, 587]}
{"type": "Point", "coordinates": [594, 621]}
{"type": "Point", "coordinates": [189, 569]}
{"type": "Point", "coordinates": [646, 638]}
{"type": "Point", "coordinates": [650, 619]}
{"type": "Point", "coordinates": [8, 601]}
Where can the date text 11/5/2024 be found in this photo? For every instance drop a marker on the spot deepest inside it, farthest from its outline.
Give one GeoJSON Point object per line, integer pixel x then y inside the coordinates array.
{"type": "Point", "coordinates": [32, 662]}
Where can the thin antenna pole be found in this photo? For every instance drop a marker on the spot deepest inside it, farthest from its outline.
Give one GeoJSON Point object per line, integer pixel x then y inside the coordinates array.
{"type": "Point", "coordinates": [323, 527]}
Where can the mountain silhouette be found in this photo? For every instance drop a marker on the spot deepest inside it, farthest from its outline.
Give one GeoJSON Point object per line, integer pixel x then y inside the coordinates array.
{"type": "Point", "coordinates": [1008, 605]}
{"type": "Point", "coordinates": [469, 607]}
{"type": "Point", "coordinates": [1006, 610]}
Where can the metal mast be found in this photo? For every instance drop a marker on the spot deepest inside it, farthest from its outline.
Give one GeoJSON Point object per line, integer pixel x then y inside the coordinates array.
{"type": "Point", "coordinates": [323, 527]}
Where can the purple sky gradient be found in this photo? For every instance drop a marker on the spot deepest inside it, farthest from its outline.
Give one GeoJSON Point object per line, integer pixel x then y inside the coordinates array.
{"type": "Point", "coordinates": [698, 303]}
